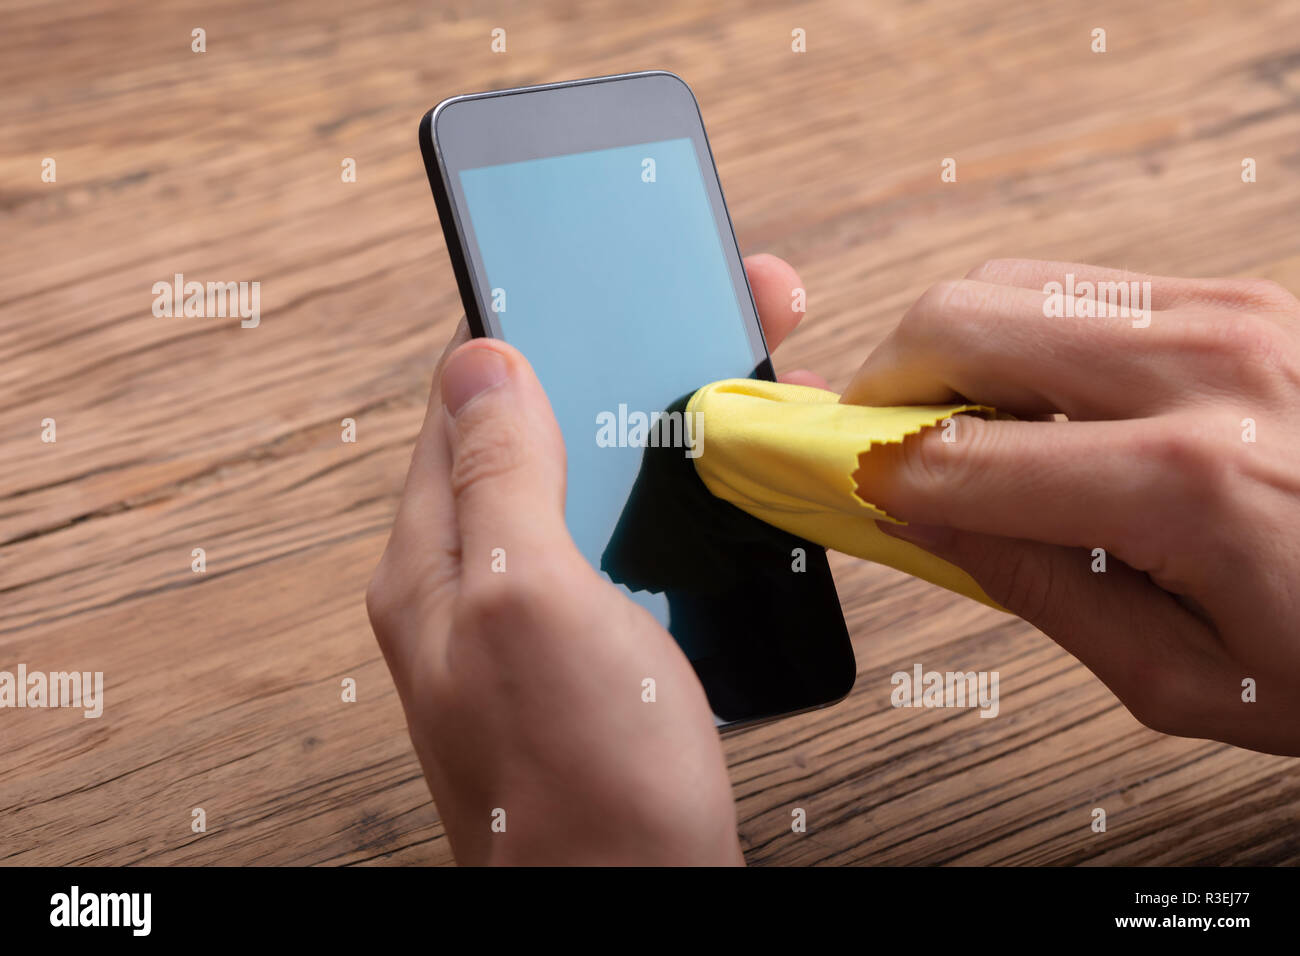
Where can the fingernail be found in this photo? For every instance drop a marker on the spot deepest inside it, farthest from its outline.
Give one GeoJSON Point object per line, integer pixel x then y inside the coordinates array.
{"type": "Point", "coordinates": [470, 372]}
{"type": "Point", "coordinates": [927, 536]}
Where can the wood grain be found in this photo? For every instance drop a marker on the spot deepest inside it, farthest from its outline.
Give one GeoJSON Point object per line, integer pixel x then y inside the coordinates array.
{"type": "Point", "coordinates": [223, 688]}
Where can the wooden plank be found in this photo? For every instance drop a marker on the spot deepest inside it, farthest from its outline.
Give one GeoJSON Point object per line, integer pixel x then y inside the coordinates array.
{"type": "Point", "coordinates": [223, 688]}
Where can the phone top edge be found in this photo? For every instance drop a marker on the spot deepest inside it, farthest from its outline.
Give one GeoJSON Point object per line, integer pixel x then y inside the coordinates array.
{"type": "Point", "coordinates": [540, 87]}
{"type": "Point", "coordinates": [432, 115]}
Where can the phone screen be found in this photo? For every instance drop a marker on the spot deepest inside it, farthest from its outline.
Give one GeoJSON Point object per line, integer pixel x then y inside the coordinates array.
{"type": "Point", "coordinates": [610, 271]}
{"type": "Point", "coordinates": [617, 291]}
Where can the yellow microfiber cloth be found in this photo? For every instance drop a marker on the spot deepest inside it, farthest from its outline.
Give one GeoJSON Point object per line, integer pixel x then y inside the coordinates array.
{"type": "Point", "coordinates": [786, 454]}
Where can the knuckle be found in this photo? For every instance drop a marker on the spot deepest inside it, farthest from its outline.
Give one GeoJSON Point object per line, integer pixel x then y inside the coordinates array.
{"type": "Point", "coordinates": [382, 597]}
{"type": "Point", "coordinates": [485, 454]}
{"type": "Point", "coordinates": [1222, 293]}
{"type": "Point", "coordinates": [1187, 469]}
{"type": "Point", "coordinates": [931, 467]}
{"type": "Point", "coordinates": [1256, 353]}
{"type": "Point", "coordinates": [989, 268]}
{"type": "Point", "coordinates": [936, 299]}
{"type": "Point", "coordinates": [1244, 336]}
{"type": "Point", "coordinates": [926, 472]}
{"type": "Point", "coordinates": [927, 313]}
{"type": "Point", "coordinates": [1266, 293]}
{"type": "Point", "coordinates": [1236, 357]}
{"type": "Point", "coordinates": [1172, 468]}
{"type": "Point", "coordinates": [1023, 580]}
{"type": "Point", "coordinates": [499, 605]}
{"type": "Point", "coordinates": [401, 590]}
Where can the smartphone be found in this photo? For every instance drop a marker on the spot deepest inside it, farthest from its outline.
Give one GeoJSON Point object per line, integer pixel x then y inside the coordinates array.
{"type": "Point", "coordinates": [586, 226]}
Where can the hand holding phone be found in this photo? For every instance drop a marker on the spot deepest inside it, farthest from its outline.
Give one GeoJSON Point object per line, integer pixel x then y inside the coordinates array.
{"type": "Point", "coordinates": [555, 716]}
{"type": "Point", "coordinates": [524, 688]}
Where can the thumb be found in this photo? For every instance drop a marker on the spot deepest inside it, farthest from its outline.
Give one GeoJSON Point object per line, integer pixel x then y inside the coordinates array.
{"type": "Point", "coordinates": [507, 454]}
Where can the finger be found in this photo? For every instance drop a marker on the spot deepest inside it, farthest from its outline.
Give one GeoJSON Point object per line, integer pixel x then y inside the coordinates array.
{"type": "Point", "coordinates": [421, 562]}
{"type": "Point", "coordinates": [773, 282]}
{"type": "Point", "coordinates": [1036, 273]}
{"type": "Point", "coordinates": [1156, 656]}
{"type": "Point", "coordinates": [801, 376]}
{"type": "Point", "coordinates": [994, 344]}
{"type": "Point", "coordinates": [507, 475]}
{"type": "Point", "coordinates": [1078, 484]}
{"type": "Point", "coordinates": [1166, 292]}
{"type": "Point", "coordinates": [426, 513]}
{"type": "Point", "coordinates": [458, 338]}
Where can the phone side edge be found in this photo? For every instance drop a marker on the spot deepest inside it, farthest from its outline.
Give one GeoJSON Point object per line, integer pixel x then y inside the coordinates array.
{"type": "Point", "coordinates": [451, 231]}
{"type": "Point", "coordinates": [765, 367]}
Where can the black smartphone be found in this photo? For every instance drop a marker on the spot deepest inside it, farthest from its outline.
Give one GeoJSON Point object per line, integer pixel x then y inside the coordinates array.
{"type": "Point", "coordinates": [587, 227]}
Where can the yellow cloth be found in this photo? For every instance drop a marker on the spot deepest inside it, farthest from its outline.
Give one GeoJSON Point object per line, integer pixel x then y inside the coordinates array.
{"type": "Point", "coordinates": [786, 454]}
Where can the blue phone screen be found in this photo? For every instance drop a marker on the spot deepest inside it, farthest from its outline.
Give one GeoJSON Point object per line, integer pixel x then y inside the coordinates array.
{"type": "Point", "coordinates": [608, 273]}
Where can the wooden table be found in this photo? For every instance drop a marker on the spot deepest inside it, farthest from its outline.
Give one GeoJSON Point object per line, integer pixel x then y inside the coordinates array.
{"type": "Point", "coordinates": [223, 688]}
